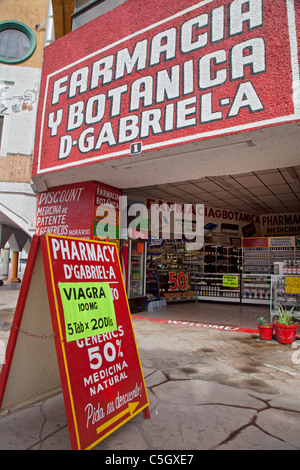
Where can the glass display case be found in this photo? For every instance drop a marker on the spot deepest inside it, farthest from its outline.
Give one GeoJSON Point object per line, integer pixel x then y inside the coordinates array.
{"type": "Point", "coordinates": [133, 261]}
{"type": "Point", "coordinates": [285, 290]}
{"type": "Point", "coordinates": [137, 269]}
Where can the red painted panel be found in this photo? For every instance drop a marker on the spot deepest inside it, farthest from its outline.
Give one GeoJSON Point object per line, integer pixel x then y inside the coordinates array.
{"type": "Point", "coordinates": [149, 76]}
{"type": "Point", "coordinates": [75, 209]}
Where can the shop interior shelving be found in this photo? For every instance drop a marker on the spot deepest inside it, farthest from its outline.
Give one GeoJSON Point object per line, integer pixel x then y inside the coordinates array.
{"type": "Point", "coordinates": [258, 268]}
{"type": "Point", "coordinates": [256, 260]}
{"type": "Point", "coordinates": [256, 288]}
{"type": "Point", "coordinates": [262, 259]}
{"type": "Point", "coordinates": [279, 295]}
{"type": "Point", "coordinates": [172, 258]}
{"type": "Point", "coordinates": [211, 287]}
{"type": "Point", "coordinates": [203, 267]}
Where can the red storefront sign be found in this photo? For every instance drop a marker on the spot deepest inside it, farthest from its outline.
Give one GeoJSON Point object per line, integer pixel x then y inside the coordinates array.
{"type": "Point", "coordinates": [179, 73]}
{"type": "Point", "coordinates": [255, 242]}
{"type": "Point", "coordinates": [106, 212]}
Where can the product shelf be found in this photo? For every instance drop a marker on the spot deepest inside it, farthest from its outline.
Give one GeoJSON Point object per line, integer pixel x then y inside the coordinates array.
{"type": "Point", "coordinates": [285, 290]}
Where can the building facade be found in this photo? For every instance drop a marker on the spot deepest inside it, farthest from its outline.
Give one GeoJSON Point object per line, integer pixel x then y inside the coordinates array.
{"type": "Point", "coordinates": [182, 102]}
{"type": "Point", "coordinates": [207, 87]}
{"type": "Point", "coordinates": [22, 39]}
{"type": "Point", "coordinates": [188, 102]}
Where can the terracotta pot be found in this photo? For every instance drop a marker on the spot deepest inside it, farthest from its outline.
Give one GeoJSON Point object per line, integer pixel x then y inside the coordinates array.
{"type": "Point", "coordinates": [285, 333]}
{"type": "Point", "coordinates": [265, 331]}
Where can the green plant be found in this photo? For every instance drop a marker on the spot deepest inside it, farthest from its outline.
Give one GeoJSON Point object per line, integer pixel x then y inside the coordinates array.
{"type": "Point", "coordinates": [285, 316]}
{"type": "Point", "coordinates": [261, 321]}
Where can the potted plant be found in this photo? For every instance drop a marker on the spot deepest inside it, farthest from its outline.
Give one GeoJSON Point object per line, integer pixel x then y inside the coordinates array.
{"type": "Point", "coordinates": [285, 325]}
{"type": "Point", "coordinates": [265, 329]}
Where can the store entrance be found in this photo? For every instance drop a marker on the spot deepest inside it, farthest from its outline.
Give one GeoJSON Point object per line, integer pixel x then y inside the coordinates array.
{"type": "Point", "coordinates": [207, 285]}
{"type": "Point", "coordinates": [251, 243]}
{"type": "Point", "coordinates": [223, 284]}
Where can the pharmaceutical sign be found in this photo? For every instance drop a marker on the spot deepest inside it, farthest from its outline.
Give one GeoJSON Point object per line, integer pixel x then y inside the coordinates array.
{"type": "Point", "coordinates": [99, 363]}
{"type": "Point", "coordinates": [209, 69]}
{"type": "Point", "coordinates": [77, 300]}
{"type": "Point", "coordinates": [81, 341]}
{"type": "Point", "coordinates": [76, 210]}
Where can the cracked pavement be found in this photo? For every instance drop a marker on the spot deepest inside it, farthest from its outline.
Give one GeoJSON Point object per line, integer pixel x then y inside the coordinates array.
{"type": "Point", "coordinates": [208, 389]}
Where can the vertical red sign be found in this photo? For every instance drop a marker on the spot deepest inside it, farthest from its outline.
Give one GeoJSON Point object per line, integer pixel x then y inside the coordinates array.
{"type": "Point", "coordinates": [100, 370]}
{"type": "Point", "coordinates": [106, 212]}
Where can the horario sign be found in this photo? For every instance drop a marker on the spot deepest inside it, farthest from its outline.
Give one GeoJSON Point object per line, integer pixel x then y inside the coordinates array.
{"type": "Point", "coordinates": [88, 321]}
{"type": "Point", "coordinates": [170, 75]}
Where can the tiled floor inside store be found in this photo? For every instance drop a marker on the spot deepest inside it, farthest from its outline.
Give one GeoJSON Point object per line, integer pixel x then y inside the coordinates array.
{"type": "Point", "coordinates": [215, 313]}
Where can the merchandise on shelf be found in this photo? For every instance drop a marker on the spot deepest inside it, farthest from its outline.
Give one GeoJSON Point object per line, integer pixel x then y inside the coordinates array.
{"type": "Point", "coordinates": [256, 288]}
{"type": "Point", "coordinates": [263, 257]}
{"type": "Point", "coordinates": [221, 287]}
{"type": "Point", "coordinates": [285, 290]}
{"type": "Point", "coordinates": [291, 267]}
{"type": "Point", "coordinates": [178, 274]}
{"type": "Point", "coordinates": [181, 274]}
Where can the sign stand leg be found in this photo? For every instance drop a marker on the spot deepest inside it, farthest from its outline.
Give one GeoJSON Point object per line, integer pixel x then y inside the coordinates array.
{"type": "Point", "coordinates": [146, 413]}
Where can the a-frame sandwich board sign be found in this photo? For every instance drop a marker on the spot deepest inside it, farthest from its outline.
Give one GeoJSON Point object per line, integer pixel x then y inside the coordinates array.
{"type": "Point", "coordinates": [30, 372]}
{"type": "Point", "coordinates": [73, 307]}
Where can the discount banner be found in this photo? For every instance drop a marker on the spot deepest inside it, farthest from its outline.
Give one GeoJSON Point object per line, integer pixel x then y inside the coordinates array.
{"type": "Point", "coordinates": [99, 365]}
{"type": "Point", "coordinates": [230, 281]}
